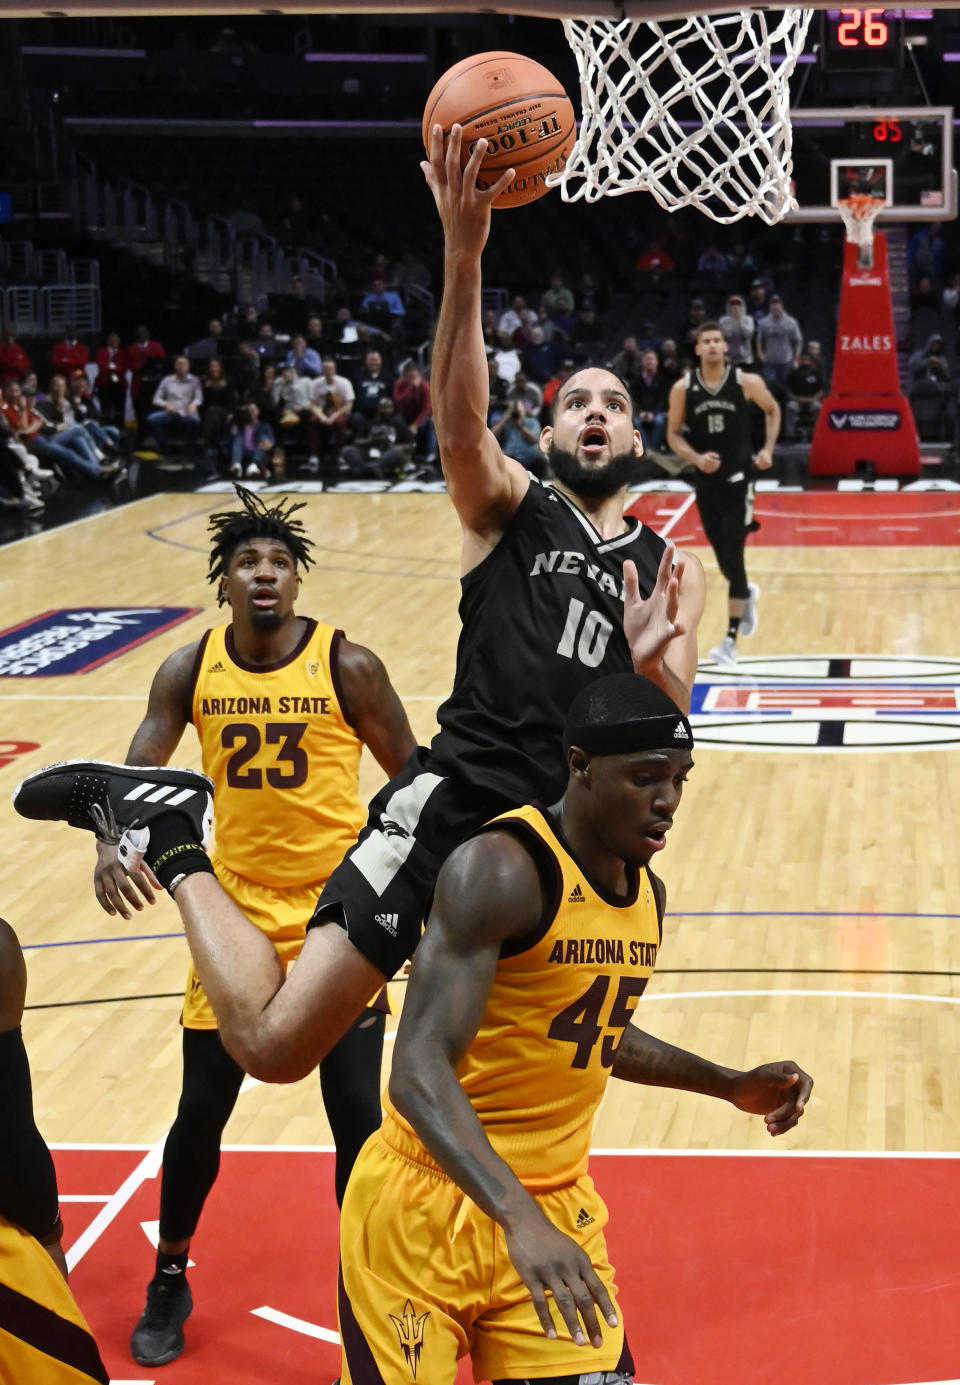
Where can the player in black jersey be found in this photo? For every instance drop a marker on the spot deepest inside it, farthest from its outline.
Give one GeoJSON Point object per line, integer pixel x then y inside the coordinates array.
{"type": "Point", "coordinates": [708, 424]}
{"type": "Point", "coordinates": [558, 589]}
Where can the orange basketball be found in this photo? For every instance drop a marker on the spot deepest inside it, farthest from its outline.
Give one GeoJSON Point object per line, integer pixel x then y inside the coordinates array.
{"type": "Point", "coordinates": [518, 107]}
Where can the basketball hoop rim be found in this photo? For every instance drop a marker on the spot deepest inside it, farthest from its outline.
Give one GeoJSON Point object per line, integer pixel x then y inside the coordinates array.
{"type": "Point", "coordinates": [860, 205]}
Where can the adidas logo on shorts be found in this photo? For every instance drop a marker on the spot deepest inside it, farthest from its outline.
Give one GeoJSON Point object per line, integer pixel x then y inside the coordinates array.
{"type": "Point", "coordinates": [584, 1219]}
{"type": "Point", "coordinates": [389, 922]}
{"type": "Point", "coordinates": [576, 895]}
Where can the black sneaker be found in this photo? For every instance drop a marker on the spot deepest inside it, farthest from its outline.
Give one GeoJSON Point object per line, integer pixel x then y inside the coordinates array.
{"type": "Point", "coordinates": [117, 802]}
{"type": "Point", "coordinates": [158, 1336]}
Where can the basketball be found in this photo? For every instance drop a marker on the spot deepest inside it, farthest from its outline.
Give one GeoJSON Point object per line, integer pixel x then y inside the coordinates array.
{"type": "Point", "coordinates": [518, 107]}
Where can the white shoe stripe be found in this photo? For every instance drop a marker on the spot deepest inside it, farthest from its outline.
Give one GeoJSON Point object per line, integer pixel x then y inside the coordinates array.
{"type": "Point", "coordinates": [137, 792]}
{"type": "Point", "coordinates": [180, 797]}
{"type": "Point", "coordinates": [159, 794]}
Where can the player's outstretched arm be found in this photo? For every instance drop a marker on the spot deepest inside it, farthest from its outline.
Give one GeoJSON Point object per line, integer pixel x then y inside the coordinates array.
{"type": "Point", "coordinates": [661, 629]}
{"type": "Point", "coordinates": [484, 485]}
{"type": "Point", "coordinates": [373, 708]}
{"type": "Point", "coordinates": [154, 741]}
{"type": "Point", "coordinates": [487, 892]}
{"type": "Point", "coordinates": [777, 1091]}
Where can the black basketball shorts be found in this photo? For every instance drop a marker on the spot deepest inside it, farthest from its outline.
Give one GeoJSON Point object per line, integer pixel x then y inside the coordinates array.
{"type": "Point", "coordinates": [381, 891]}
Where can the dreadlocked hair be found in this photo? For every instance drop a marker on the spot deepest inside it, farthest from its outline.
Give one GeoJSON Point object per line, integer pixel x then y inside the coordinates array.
{"type": "Point", "coordinates": [257, 520]}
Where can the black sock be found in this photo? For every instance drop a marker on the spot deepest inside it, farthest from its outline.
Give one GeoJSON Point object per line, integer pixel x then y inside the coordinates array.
{"type": "Point", "coordinates": [171, 1268]}
{"type": "Point", "coordinates": [174, 850]}
{"type": "Point", "coordinates": [733, 627]}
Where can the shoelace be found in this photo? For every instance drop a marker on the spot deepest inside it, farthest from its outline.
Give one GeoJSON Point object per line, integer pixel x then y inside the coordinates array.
{"type": "Point", "coordinates": [108, 829]}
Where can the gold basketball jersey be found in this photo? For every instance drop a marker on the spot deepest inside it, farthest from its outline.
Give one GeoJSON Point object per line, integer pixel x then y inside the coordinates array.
{"type": "Point", "coordinates": [557, 1009]}
{"type": "Point", "coordinates": [282, 756]}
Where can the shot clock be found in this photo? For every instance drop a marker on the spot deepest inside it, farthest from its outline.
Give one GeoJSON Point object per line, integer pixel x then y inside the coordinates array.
{"type": "Point", "coordinates": [862, 40]}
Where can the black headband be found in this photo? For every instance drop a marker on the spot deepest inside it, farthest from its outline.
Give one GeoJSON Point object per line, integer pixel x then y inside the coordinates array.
{"type": "Point", "coordinates": [670, 732]}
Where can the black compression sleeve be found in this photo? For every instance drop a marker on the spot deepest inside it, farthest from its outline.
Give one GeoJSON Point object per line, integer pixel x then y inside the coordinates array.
{"type": "Point", "coordinates": [28, 1183]}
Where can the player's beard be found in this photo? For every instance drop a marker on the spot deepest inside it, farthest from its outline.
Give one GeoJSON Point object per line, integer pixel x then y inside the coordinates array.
{"type": "Point", "coordinates": [593, 483]}
{"type": "Point", "coordinates": [265, 620]}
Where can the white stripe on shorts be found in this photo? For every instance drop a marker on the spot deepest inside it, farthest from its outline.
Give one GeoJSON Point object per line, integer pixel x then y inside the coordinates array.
{"type": "Point", "coordinates": [381, 855]}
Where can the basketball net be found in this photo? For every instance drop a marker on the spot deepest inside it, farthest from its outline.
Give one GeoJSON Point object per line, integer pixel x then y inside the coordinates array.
{"type": "Point", "coordinates": [859, 211]}
{"type": "Point", "coordinates": [695, 111]}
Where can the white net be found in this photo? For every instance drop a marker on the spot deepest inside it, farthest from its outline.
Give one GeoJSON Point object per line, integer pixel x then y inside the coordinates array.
{"type": "Point", "coordinates": [859, 212]}
{"type": "Point", "coordinates": [695, 111]}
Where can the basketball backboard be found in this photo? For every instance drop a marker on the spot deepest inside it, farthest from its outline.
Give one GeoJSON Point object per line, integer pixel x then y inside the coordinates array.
{"type": "Point", "coordinates": [909, 147]}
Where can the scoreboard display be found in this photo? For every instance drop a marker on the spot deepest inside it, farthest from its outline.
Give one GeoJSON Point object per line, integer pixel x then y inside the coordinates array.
{"type": "Point", "coordinates": [861, 40]}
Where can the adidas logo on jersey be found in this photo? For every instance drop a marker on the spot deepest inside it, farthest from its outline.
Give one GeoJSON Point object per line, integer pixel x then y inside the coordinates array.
{"type": "Point", "coordinates": [389, 922]}
{"type": "Point", "coordinates": [584, 1219]}
{"type": "Point", "coordinates": [681, 732]}
{"type": "Point", "coordinates": [159, 794]}
{"type": "Point", "coordinates": [576, 895]}
{"type": "Point", "coordinates": [218, 667]}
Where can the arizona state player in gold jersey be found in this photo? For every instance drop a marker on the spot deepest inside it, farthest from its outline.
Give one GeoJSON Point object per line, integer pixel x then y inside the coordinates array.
{"type": "Point", "coordinates": [44, 1338]}
{"type": "Point", "coordinates": [472, 1202]}
{"type": "Point", "coordinates": [283, 706]}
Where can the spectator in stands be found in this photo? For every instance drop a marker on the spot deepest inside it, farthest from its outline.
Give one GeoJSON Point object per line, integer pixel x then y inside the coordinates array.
{"type": "Point", "coordinates": [517, 316]}
{"type": "Point", "coordinates": [815, 351]}
{"type": "Point", "coordinates": [499, 391]}
{"type": "Point", "coordinates": [382, 268]}
{"type": "Point", "coordinates": [779, 340]}
{"type": "Point", "coordinates": [759, 304]}
{"type": "Point", "coordinates": [557, 302]}
{"type": "Point", "coordinates": [648, 337]}
{"type": "Point", "coordinates": [216, 411]}
{"type": "Point", "coordinates": [590, 289]}
{"type": "Point", "coordinates": [655, 260]}
{"type": "Point", "coordinates": [537, 354]}
{"type": "Point", "coordinates": [209, 346]}
{"type": "Point", "coordinates": [373, 384]}
{"type": "Point", "coordinates": [527, 393]}
{"type": "Point", "coordinates": [31, 390]}
{"type": "Point", "coordinates": [304, 359]}
{"type": "Point", "coordinates": [587, 333]}
{"type": "Point", "coordinates": [291, 311]}
{"type": "Point", "coordinates": [411, 394]}
{"type": "Point", "coordinates": [951, 295]}
{"type": "Point", "coordinates": [289, 404]}
{"type": "Point", "coordinates": [248, 323]}
{"type": "Point", "coordinates": [382, 444]}
{"type": "Point", "coordinates": [39, 438]}
{"type": "Point", "coordinates": [930, 362]}
{"type": "Point", "coordinates": [650, 391]}
{"type": "Point", "coordinates": [105, 435]}
{"type": "Point", "coordinates": [805, 387]}
{"type": "Point", "coordinates": [686, 333]}
{"type": "Point", "coordinates": [111, 381]}
{"type": "Point", "coordinates": [331, 403]}
{"type": "Point", "coordinates": [627, 362]}
{"type": "Point", "coordinates": [669, 360]}
{"type": "Point", "coordinates": [507, 358]}
{"type": "Point", "coordinates": [246, 369]}
{"type": "Point", "coordinates": [553, 384]}
{"type": "Point", "coordinates": [923, 294]}
{"type": "Point", "coordinates": [383, 307]}
{"type": "Point", "coordinates": [69, 354]}
{"type": "Point", "coordinates": [261, 393]}
{"type": "Point", "coordinates": [713, 262]}
{"type": "Point", "coordinates": [253, 445]}
{"type": "Point", "coordinates": [519, 436]}
{"type": "Point", "coordinates": [314, 337]}
{"type": "Point", "coordinates": [14, 361]}
{"type": "Point", "coordinates": [148, 363]}
{"type": "Point", "coordinates": [176, 402]}
{"type": "Point", "coordinates": [925, 252]}
{"type": "Point", "coordinates": [738, 329]}
{"type": "Point", "coordinates": [62, 425]}
{"type": "Point", "coordinates": [23, 482]}
{"type": "Point", "coordinates": [267, 345]}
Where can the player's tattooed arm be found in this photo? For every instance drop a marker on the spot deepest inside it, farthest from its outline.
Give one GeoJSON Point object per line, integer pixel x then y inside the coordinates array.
{"type": "Point", "coordinates": [777, 1091]}
{"type": "Point", "coordinates": [154, 741]}
{"type": "Point", "coordinates": [488, 891]}
{"type": "Point", "coordinates": [661, 629]}
{"type": "Point", "coordinates": [373, 708]}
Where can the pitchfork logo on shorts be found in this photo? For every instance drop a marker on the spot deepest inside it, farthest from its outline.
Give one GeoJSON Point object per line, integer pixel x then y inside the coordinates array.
{"type": "Point", "coordinates": [81, 638]}
{"type": "Point", "coordinates": [410, 1331]}
{"type": "Point", "coordinates": [828, 703]}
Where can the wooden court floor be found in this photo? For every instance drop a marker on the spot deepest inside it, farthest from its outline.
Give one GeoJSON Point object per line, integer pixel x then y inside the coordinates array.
{"type": "Point", "coordinates": [813, 896]}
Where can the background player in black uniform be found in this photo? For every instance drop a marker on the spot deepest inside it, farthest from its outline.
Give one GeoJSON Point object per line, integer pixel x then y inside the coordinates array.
{"type": "Point", "coordinates": [708, 424]}
{"type": "Point", "coordinates": [558, 589]}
